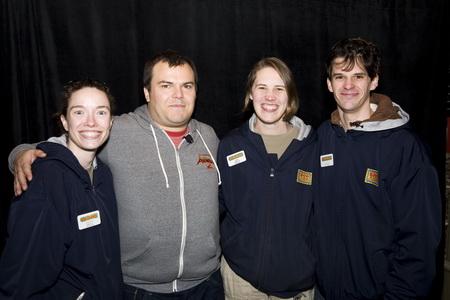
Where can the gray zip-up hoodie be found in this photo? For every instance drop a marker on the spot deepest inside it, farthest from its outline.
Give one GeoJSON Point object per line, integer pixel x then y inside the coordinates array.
{"type": "Point", "coordinates": [167, 201]}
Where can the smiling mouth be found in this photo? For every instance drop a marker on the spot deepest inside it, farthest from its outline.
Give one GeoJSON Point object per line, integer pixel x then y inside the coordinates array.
{"type": "Point", "coordinates": [90, 135]}
{"type": "Point", "coordinates": [269, 107]}
{"type": "Point", "coordinates": [349, 94]}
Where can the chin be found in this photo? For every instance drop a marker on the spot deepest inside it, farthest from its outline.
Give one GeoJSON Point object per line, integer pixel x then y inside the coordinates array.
{"type": "Point", "coordinates": [92, 146]}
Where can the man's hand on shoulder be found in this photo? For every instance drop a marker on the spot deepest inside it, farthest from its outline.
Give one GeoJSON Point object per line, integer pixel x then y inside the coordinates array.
{"type": "Point", "coordinates": [22, 169]}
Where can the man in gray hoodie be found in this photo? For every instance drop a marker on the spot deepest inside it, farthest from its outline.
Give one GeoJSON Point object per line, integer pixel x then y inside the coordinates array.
{"type": "Point", "coordinates": [166, 181]}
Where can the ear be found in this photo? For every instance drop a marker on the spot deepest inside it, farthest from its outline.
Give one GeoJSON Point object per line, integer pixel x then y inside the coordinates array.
{"type": "Point", "coordinates": [374, 83]}
{"type": "Point", "coordinates": [64, 122]}
{"type": "Point", "coordinates": [330, 87]}
{"type": "Point", "coordinates": [147, 94]}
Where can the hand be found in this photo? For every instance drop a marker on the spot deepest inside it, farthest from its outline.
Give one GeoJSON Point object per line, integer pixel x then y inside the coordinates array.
{"type": "Point", "coordinates": [22, 169]}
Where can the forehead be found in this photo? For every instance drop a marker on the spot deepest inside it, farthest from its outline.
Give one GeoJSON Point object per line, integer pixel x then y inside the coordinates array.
{"type": "Point", "coordinates": [340, 65]}
{"type": "Point", "coordinates": [268, 74]}
{"type": "Point", "coordinates": [89, 96]}
{"type": "Point", "coordinates": [162, 71]}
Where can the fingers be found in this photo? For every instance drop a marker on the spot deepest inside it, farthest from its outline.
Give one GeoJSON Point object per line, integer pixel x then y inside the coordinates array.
{"type": "Point", "coordinates": [25, 173]}
{"type": "Point", "coordinates": [17, 188]}
{"type": "Point", "coordinates": [22, 169]}
{"type": "Point", "coordinates": [26, 163]}
{"type": "Point", "coordinates": [38, 153]}
{"type": "Point", "coordinates": [20, 180]}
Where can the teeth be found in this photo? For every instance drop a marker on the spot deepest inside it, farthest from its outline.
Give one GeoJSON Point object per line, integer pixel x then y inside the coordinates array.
{"type": "Point", "coordinates": [90, 134]}
{"type": "Point", "coordinates": [269, 107]}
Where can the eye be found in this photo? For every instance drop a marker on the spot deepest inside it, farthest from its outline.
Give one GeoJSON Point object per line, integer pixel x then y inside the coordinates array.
{"type": "Point", "coordinates": [338, 77]}
{"type": "Point", "coordinates": [165, 86]}
{"type": "Point", "coordinates": [78, 112]}
{"type": "Point", "coordinates": [189, 86]}
{"type": "Point", "coordinates": [360, 76]}
{"type": "Point", "coordinates": [261, 87]}
{"type": "Point", "coordinates": [280, 89]}
{"type": "Point", "coordinates": [103, 112]}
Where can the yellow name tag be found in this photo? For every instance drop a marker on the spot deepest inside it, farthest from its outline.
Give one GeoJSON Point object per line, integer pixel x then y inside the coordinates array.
{"type": "Point", "coordinates": [304, 177]}
{"type": "Point", "coordinates": [236, 158]}
{"type": "Point", "coordinates": [89, 219]}
{"type": "Point", "coordinates": [326, 160]}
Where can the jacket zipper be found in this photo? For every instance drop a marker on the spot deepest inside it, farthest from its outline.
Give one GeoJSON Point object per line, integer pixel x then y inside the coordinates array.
{"type": "Point", "coordinates": [183, 213]}
{"type": "Point", "coordinates": [267, 224]}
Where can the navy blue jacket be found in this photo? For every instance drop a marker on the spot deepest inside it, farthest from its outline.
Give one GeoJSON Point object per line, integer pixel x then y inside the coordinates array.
{"type": "Point", "coordinates": [266, 208]}
{"type": "Point", "coordinates": [46, 255]}
{"type": "Point", "coordinates": [378, 213]}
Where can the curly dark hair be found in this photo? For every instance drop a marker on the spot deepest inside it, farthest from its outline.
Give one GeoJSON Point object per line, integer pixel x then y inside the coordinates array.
{"type": "Point", "coordinates": [355, 51]}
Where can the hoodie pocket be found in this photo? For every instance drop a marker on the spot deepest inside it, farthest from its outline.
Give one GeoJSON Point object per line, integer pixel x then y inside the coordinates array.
{"type": "Point", "coordinates": [158, 261]}
{"type": "Point", "coordinates": [201, 256]}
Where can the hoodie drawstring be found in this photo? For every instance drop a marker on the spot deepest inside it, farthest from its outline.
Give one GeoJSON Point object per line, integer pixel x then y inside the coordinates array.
{"type": "Point", "coordinates": [210, 154]}
{"type": "Point", "coordinates": [159, 156]}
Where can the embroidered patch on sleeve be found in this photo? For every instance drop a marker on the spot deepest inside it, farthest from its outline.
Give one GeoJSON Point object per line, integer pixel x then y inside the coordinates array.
{"type": "Point", "coordinates": [205, 160]}
{"type": "Point", "coordinates": [304, 177]}
{"type": "Point", "coordinates": [371, 177]}
{"type": "Point", "coordinates": [236, 158]}
{"type": "Point", "coordinates": [326, 160]}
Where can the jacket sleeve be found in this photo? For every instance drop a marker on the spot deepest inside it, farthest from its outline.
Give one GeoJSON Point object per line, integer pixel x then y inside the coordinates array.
{"type": "Point", "coordinates": [34, 251]}
{"type": "Point", "coordinates": [416, 205]}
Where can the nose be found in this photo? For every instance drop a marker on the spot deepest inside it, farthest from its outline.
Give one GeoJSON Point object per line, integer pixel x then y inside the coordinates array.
{"type": "Point", "coordinates": [270, 95]}
{"type": "Point", "coordinates": [178, 92]}
{"type": "Point", "coordinates": [90, 120]}
{"type": "Point", "coordinates": [348, 83]}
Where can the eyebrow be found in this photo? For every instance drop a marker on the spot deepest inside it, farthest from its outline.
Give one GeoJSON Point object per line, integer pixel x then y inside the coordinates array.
{"type": "Point", "coordinates": [264, 84]}
{"type": "Point", "coordinates": [165, 81]}
{"type": "Point", "coordinates": [170, 82]}
{"type": "Point", "coordinates": [342, 73]}
{"type": "Point", "coordinates": [97, 107]}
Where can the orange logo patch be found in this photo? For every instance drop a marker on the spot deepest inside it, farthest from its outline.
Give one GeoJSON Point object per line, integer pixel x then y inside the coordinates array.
{"type": "Point", "coordinates": [205, 160]}
{"type": "Point", "coordinates": [371, 177]}
{"type": "Point", "coordinates": [304, 177]}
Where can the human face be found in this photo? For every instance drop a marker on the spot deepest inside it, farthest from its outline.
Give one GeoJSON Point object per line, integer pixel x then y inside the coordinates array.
{"type": "Point", "coordinates": [270, 101]}
{"type": "Point", "coordinates": [171, 98]}
{"type": "Point", "coordinates": [87, 121]}
{"type": "Point", "coordinates": [351, 89]}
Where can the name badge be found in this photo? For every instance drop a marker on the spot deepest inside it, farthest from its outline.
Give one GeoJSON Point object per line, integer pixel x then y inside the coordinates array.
{"type": "Point", "coordinates": [236, 158]}
{"type": "Point", "coordinates": [326, 160]}
{"type": "Point", "coordinates": [89, 219]}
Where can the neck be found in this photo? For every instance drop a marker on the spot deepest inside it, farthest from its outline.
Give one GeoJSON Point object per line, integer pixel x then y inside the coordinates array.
{"type": "Point", "coordinates": [86, 162]}
{"type": "Point", "coordinates": [85, 158]}
{"type": "Point", "coordinates": [347, 118]}
{"type": "Point", "coordinates": [278, 128]}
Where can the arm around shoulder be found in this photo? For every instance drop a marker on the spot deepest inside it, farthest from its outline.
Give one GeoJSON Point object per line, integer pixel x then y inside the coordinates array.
{"type": "Point", "coordinates": [16, 152]}
{"type": "Point", "coordinates": [24, 147]}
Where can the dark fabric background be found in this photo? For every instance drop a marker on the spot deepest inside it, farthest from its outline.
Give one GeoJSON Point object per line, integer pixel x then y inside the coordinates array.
{"type": "Point", "coordinates": [45, 43]}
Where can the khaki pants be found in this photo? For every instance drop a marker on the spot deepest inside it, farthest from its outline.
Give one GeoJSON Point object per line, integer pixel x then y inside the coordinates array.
{"type": "Point", "coordinates": [236, 288]}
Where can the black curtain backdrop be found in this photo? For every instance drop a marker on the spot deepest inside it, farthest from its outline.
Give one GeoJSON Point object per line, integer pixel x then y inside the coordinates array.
{"type": "Point", "coordinates": [45, 43]}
